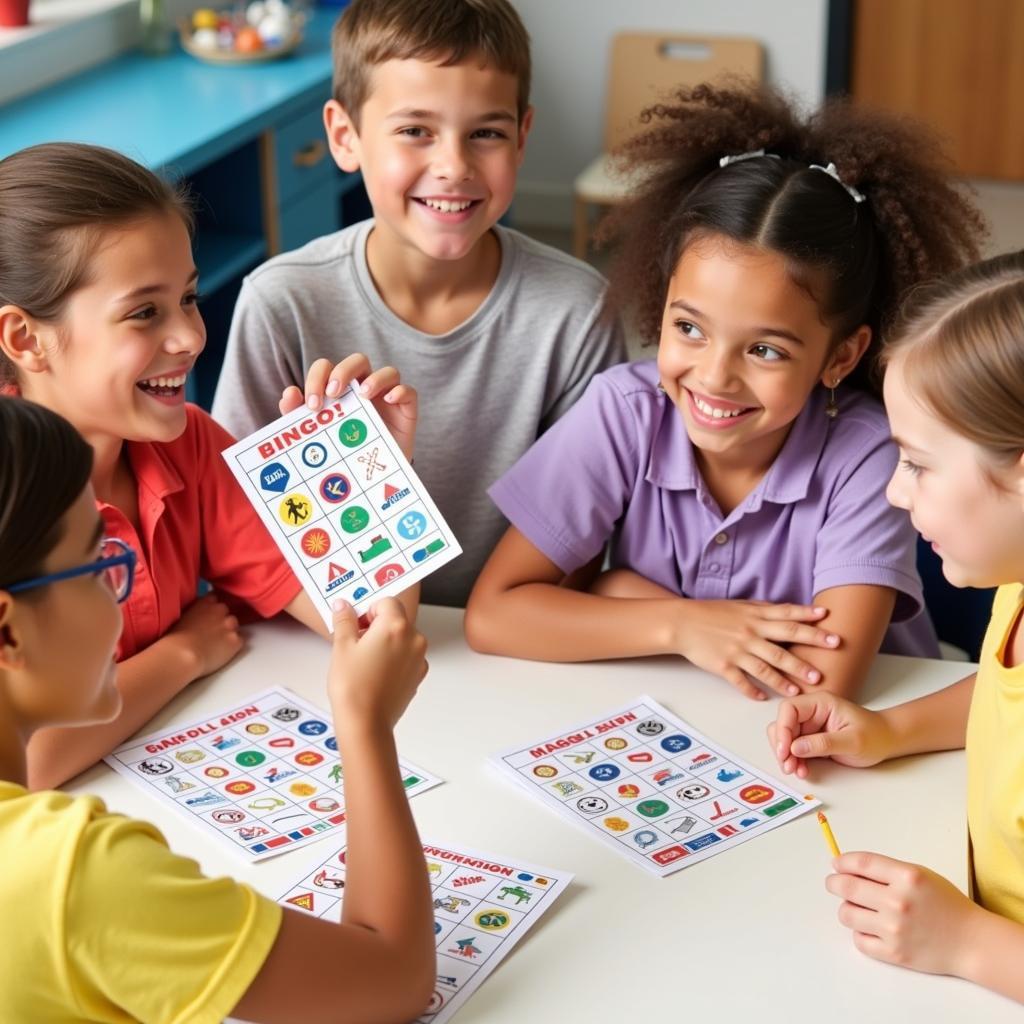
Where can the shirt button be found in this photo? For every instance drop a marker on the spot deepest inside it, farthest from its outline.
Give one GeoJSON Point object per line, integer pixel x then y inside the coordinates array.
{"type": "Point", "coordinates": [713, 567]}
{"type": "Point", "coordinates": [721, 538]}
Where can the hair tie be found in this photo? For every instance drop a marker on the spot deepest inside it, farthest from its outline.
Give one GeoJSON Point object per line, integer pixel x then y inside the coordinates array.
{"type": "Point", "coordinates": [726, 160]}
{"type": "Point", "coordinates": [830, 170]}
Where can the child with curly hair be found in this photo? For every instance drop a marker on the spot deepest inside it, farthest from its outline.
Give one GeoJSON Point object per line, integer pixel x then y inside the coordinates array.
{"type": "Point", "coordinates": [738, 481]}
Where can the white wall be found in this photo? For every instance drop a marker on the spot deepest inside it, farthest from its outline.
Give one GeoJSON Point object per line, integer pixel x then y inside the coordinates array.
{"type": "Point", "coordinates": [571, 39]}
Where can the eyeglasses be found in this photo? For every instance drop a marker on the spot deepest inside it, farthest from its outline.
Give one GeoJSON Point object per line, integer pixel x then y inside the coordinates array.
{"type": "Point", "coordinates": [116, 562]}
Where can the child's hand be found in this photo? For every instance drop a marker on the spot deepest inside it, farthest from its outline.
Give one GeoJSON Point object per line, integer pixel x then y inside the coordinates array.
{"type": "Point", "coordinates": [208, 634]}
{"type": "Point", "coordinates": [903, 913]}
{"type": "Point", "coordinates": [396, 402]}
{"type": "Point", "coordinates": [824, 725]}
{"type": "Point", "coordinates": [373, 676]}
{"type": "Point", "coordinates": [737, 639]}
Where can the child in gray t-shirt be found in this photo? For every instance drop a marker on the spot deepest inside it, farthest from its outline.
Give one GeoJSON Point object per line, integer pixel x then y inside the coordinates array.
{"type": "Point", "coordinates": [498, 333]}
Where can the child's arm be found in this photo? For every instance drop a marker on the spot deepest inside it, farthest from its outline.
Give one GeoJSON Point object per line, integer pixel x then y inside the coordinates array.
{"type": "Point", "coordinates": [204, 639]}
{"type": "Point", "coordinates": [379, 963]}
{"type": "Point", "coordinates": [517, 608]}
{"type": "Point", "coordinates": [825, 725]}
{"type": "Point", "coordinates": [859, 615]}
{"type": "Point", "coordinates": [907, 915]}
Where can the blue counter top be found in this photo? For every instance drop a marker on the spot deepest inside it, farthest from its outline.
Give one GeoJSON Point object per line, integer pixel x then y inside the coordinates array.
{"type": "Point", "coordinates": [173, 113]}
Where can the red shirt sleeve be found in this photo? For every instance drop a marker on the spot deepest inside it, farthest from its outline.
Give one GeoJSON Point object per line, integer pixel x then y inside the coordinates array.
{"type": "Point", "coordinates": [239, 557]}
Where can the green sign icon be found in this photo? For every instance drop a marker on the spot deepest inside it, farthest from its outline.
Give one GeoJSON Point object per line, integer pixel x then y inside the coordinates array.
{"type": "Point", "coordinates": [354, 519]}
{"type": "Point", "coordinates": [352, 433]}
{"type": "Point", "coordinates": [652, 808]}
{"type": "Point", "coordinates": [250, 758]}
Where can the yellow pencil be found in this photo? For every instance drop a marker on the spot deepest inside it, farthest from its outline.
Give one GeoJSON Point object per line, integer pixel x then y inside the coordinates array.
{"type": "Point", "coordinates": [827, 831]}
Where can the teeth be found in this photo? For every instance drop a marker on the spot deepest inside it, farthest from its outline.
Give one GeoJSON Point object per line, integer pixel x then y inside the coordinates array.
{"type": "Point", "coordinates": [446, 206]}
{"type": "Point", "coordinates": [714, 412]}
{"type": "Point", "coordinates": [163, 382]}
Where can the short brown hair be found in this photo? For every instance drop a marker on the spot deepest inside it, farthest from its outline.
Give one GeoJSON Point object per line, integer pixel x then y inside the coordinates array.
{"type": "Point", "coordinates": [370, 32]}
{"type": "Point", "coordinates": [961, 346]}
{"type": "Point", "coordinates": [55, 199]}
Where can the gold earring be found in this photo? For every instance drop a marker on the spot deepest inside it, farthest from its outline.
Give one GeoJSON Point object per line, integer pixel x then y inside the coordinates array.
{"type": "Point", "coordinates": [832, 410]}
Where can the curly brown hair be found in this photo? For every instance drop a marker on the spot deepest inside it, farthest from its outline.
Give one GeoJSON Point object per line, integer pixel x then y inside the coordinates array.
{"type": "Point", "coordinates": [858, 260]}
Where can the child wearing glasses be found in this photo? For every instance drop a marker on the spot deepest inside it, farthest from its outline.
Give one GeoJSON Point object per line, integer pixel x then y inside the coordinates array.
{"type": "Point", "coordinates": [92, 892]}
{"type": "Point", "coordinates": [98, 321]}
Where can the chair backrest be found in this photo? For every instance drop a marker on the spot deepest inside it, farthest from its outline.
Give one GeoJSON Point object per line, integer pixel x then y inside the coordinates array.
{"type": "Point", "coordinates": [646, 66]}
{"type": "Point", "coordinates": [960, 614]}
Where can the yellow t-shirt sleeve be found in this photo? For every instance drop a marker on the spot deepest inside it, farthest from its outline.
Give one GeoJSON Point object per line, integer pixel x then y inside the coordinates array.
{"type": "Point", "coordinates": [149, 938]}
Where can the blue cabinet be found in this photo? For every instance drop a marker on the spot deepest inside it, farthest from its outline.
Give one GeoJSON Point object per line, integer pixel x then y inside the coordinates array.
{"type": "Point", "coordinates": [249, 142]}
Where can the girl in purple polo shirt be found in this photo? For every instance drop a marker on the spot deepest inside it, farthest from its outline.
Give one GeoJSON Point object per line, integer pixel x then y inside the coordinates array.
{"type": "Point", "coordinates": [737, 483]}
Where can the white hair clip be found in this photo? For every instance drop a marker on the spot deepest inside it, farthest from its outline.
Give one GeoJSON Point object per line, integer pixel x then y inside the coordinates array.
{"type": "Point", "coordinates": [726, 160]}
{"type": "Point", "coordinates": [830, 170]}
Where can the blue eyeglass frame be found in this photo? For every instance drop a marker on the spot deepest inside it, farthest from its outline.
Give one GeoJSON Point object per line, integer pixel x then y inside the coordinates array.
{"type": "Point", "coordinates": [127, 558]}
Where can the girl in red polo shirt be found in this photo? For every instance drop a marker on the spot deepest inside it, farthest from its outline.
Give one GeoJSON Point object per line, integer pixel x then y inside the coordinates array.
{"type": "Point", "coordinates": [99, 322]}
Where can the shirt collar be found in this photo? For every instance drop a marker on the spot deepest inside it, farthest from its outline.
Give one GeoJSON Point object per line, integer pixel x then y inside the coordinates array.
{"type": "Point", "coordinates": [154, 471]}
{"type": "Point", "coordinates": [672, 464]}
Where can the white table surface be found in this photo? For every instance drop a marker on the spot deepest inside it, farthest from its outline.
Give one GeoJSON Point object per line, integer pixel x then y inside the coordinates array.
{"type": "Point", "coordinates": [750, 932]}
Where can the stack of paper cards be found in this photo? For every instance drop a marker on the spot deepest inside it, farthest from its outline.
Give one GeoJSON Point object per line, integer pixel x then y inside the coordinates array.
{"type": "Point", "coordinates": [264, 777]}
{"type": "Point", "coordinates": [483, 906]}
{"type": "Point", "coordinates": [342, 502]}
{"type": "Point", "coordinates": [650, 785]}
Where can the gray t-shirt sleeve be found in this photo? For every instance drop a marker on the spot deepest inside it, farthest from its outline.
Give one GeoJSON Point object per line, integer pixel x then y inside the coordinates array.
{"type": "Point", "coordinates": [602, 344]}
{"type": "Point", "coordinates": [261, 360]}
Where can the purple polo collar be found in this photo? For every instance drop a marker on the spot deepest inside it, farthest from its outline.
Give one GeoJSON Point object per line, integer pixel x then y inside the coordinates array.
{"type": "Point", "coordinates": [672, 464]}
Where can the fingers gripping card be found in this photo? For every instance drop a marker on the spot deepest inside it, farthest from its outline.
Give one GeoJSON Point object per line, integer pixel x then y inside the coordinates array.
{"type": "Point", "coordinates": [649, 785]}
{"type": "Point", "coordinates": [342, 502]}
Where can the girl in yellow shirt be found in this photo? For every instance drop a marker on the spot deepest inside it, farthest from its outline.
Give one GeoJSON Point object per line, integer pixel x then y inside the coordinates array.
{"type": "Point", "coordinates": [110, 925]}
{"type": "Point", "coordinates": [954, 391]}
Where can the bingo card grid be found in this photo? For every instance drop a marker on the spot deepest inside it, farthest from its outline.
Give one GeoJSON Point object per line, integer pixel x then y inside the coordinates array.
{"type": "Point", "coordinates": [653, 787]}
{"type": "Point", "coordinates": [264, 776]}
{"type": "Point", "coordinates": [339, 498]}
{"type": "Point", "coordinates": [482, 907]}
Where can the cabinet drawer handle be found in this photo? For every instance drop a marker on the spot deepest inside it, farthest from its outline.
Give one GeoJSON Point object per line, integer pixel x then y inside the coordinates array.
{"type": "Point", "coordinates": [311, 154]}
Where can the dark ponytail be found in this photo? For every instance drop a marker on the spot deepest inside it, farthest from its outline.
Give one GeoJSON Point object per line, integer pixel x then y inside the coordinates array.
{"type": "Point", "coordinates": [43, 470]}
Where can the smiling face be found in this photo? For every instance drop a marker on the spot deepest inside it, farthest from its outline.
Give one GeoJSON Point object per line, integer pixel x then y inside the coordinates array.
{"type": "Point", "coordinates": [973, 519]}
{"type": "Point", "coordinates": [116, 364]}
{"type": "Point", "coordinates": [439, 148]}
{"type": "Point", "coordinates": [742, 347]}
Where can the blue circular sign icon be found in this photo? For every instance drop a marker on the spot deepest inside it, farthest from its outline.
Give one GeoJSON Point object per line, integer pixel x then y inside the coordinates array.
{"type": "Point", "coordinates": [313, 728]}
{"type": "Point", "coordinates": [645, 837]}
{"type": "Point", "coordinates": [676, 744]}
{"type": "Point", "coordinates": [335, 488]}
{"type": "Point", "coordinates": [314, 454]}
{"type": "Point", "coordinates": [412, 525]}
{"type": "Point", "coordinates": [331, 743]}
{"type": "Point", "coordinates": [605, 772]}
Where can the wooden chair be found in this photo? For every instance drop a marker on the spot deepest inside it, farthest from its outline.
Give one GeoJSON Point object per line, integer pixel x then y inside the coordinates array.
{"type": "Point", "coordinates": [644, 67]}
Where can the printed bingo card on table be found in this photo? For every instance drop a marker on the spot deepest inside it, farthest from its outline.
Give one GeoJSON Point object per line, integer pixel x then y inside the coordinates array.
{"type": "Point", "coordinates": [653, 787]}
{"type": "Point", "coordinates": [342, 502]}
{"type": "Point", "coordinates": [483, 906]}
{"type": "Point", "coordinates": [264, 777]}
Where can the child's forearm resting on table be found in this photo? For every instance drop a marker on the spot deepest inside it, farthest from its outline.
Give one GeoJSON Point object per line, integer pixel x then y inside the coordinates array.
{"type": "Point", "coordinates": [937, 721]}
